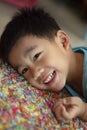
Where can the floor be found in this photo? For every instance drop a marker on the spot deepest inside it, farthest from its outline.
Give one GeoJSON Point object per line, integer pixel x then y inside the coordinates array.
{"type": "Point", "coordinates": [65, 18]}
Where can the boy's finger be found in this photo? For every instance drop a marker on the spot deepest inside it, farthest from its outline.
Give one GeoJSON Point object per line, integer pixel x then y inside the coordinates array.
{"type": "Point", "coordinates": [69, 100]}
{"type": "Point", "coordinates": [69, 114]}
{"type": "Point", "coordinates": [56, 104]}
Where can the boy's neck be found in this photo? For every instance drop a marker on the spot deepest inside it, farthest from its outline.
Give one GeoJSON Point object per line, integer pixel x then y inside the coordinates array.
{"type": "Point", "coordinates": [77, 73]}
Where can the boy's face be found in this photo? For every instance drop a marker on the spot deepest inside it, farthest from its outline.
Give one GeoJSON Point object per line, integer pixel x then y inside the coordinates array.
{"type": "Point", "coordinates": [44, 63]}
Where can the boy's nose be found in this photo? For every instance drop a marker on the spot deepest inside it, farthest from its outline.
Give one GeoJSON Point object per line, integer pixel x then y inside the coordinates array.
{"type": "Point", "coordinates": [37, 72]}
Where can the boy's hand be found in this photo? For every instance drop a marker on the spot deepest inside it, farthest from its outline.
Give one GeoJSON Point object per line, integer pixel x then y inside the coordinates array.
{"type": "Point", "coordinates": [68, 108]}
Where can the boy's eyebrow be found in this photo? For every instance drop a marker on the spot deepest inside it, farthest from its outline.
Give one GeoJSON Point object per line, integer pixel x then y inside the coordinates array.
{"type": "Point", "coordinates": [29, 50]}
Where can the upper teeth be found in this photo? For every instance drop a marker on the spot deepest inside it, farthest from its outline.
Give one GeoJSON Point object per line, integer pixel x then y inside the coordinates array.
{"type": "Point", "coordinates": [49, 78]}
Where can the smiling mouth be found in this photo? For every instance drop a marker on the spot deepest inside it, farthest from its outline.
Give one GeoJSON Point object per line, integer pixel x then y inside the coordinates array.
{"type": "Point", "coordinates": [50, 78]}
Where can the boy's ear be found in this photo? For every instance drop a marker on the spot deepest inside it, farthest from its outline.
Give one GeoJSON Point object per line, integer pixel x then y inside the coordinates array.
{"type": "Point", "coordinates": [63, 39]}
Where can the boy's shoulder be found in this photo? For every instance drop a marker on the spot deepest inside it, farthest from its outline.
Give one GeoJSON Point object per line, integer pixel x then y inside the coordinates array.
{"type": "Point", "coordinates": [80, 49]}
{"type": "Point", "coordinates": [83, 49]}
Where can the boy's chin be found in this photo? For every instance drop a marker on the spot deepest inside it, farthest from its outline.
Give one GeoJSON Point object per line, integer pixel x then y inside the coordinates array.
{"type": "Point", "coordinates": [59, 87]}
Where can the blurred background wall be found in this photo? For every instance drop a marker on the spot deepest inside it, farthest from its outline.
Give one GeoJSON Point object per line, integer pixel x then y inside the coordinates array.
{"type": "Point", "coordinates": [70, 15]}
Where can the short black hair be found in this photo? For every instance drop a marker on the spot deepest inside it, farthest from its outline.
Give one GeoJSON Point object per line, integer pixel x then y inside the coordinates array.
{"type": "Point", "coordinates": [27, 21]}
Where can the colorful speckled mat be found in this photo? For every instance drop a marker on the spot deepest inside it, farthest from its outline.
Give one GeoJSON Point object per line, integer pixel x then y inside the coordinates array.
{"type": "Point", "coordinates": [23, 107]}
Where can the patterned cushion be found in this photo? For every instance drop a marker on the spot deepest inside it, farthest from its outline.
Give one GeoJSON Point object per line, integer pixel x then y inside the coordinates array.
{"type": "Point", "coordinates": [23, 107]}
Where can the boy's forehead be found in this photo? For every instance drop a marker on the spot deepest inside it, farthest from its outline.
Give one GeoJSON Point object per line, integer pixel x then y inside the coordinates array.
{"type": "Point", "coordinates": [27, 44]}
{"type": "Point", "coordinates": [25, 40]}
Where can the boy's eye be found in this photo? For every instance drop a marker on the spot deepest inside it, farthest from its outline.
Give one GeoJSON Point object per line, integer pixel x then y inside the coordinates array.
{"type": "Point", "coordinates": [36, 56]}
{"type": "Point", "coordinates": [24, 70]}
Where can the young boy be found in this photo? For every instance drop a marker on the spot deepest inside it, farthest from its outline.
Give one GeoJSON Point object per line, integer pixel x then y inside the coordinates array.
{"type": "Point", "coordinates": [38, 49]}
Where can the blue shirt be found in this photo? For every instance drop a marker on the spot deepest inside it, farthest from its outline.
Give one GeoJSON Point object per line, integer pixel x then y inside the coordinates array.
{"type": "Point", "coordinates": [84, 80]}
